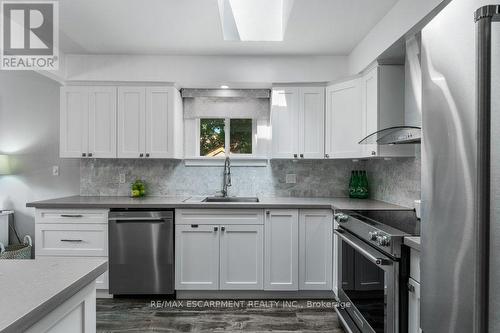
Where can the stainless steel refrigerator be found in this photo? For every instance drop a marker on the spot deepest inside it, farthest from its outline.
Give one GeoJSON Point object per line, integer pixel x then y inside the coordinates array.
{"type": "Point", "coordinates": [460, 267]}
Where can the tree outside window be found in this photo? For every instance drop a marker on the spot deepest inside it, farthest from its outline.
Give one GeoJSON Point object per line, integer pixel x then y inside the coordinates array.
{"type": "Point", "coordinates": [213, 136]}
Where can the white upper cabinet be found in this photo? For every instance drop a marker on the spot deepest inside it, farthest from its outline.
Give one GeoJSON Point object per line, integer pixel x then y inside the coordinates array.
{"type": "Point", "coordinates": [74, 122]}
{"type": "Point", "coordinates": [102, 122]}
{"type": "Point", "coordinates": [382, 107]}
{"type": "Point", "coordinates": [344, 120]}
{"type": "Point", "coordinates": [285, 122]}
{"type": "Point", "coordinates": [312, 122]}
{"type": "Point", "coordinates": [131, 122]}
{"type": "Point", "coordinates": [149, 122]}
{"type": "Point", "coordinates": [88, 121]}
{"type": "Point", "coordinates": [297, 119]}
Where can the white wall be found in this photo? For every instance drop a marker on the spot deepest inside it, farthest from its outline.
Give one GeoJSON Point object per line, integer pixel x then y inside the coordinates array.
{"type": "Point", "coordinates": [29, 132]}
{"type": "Point", "coordinates": [395, 24]}
{"type": "Point", "coordinates": [206, 71]}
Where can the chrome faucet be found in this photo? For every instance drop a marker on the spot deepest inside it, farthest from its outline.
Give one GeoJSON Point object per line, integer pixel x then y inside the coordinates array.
{"type": "Point", "coordinates": [227, 177]}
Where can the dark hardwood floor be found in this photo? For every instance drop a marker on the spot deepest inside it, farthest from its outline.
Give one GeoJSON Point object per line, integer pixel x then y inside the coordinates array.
{"type": "Point", "coordinates": [138, 315]}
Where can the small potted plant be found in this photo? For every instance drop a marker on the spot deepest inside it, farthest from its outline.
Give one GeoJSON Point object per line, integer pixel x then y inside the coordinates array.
{"type": "Point", "coordinates": [138, 189]}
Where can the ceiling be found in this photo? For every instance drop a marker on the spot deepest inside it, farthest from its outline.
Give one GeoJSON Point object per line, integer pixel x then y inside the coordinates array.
{"type": "Point", "coordinates": [192, 27]}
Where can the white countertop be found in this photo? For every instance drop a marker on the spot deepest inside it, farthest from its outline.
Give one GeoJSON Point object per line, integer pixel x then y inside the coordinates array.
{"type": "Point", "coordinates": [30, 289]}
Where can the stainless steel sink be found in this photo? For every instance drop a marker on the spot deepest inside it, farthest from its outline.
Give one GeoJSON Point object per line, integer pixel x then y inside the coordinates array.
{"type": "Point", "coordinates": [231, 199]}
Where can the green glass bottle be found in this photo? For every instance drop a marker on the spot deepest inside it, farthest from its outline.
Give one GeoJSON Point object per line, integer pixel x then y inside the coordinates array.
{"type": "Point", "coordinates": [352, 189]}
{"type": "Point", "coordinates": [364, 185]}
{"type": "Point", "coordinates": [359, 184]}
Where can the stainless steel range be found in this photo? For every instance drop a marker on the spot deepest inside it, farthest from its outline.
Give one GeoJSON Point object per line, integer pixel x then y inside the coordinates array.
{"type": "Point", "coordinates": [373, 265]}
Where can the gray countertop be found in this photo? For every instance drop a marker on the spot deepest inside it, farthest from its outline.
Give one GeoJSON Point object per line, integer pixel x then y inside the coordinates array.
{"type": "Point", "coordinates": [30, 289]}
{"type": "Point", "coordinates": [413, 242]}
{"type": "Point", "coordinates": [196, 202]}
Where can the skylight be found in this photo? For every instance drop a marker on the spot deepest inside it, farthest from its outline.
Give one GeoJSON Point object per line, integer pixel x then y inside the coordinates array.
{"type": "Point", "coordinates": [254, 20]}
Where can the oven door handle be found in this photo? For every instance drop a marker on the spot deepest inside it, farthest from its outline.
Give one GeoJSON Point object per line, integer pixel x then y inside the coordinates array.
{"type": "Point", "coordinates": [350, 240]}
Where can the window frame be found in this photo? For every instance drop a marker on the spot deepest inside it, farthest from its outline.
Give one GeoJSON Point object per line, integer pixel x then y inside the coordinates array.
{"type": "Point", "coordinates": [227, 140]}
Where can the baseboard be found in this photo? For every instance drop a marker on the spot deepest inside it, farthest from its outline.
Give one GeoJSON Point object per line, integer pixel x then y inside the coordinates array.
{"type": "Point", "coordinates": [254, 294]}
{"type": "Point", "coordinates": [103, 293]}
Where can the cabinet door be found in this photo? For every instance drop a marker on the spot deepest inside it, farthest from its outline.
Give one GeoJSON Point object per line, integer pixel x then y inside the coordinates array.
{"type": "Point", "coordinates": [196, 257]}
{"type": "Point", "coordinates": [102, 122]}
{"type": "Point", "coordinates": [241, 257]}
{"type": "Point", "coordinates": [312, 122]}
{"type": "Point", "coordinates": [281, 260]}
{"type": "Point", "coordinates": [315, 249]}
{"type": "Point", "coordinates": [74, 122]}
{"type": "Point", "coordinates": [131, 122]}
{"type": "Point", "coordinates": [370, 109]}
{"type": "Point", "coordinates": [284, 121]}
{"type": "Point", "coordinates": [344, 128]}
{"type": "Point", "coordinates": [159, 123]}
{"type": "Point", "coordinates": [413, 306]}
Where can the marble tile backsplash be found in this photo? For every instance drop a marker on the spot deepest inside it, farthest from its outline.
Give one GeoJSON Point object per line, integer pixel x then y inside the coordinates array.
{"type": "Point", "coordinates": [396, 180]}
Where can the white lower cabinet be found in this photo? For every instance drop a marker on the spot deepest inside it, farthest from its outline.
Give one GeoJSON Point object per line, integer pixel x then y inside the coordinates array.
{"type": "Point", "coordinates": [197, 257]}
{"type": "Point", "coordinates": [413, 306]}
{"type": "Point", "coordinates": [76, 315]}
{"type": "Point", "coordinates": [77, 233]}
{"type": "Point", "coordinates": [239, 249]}
{"type": "Point", "coordinates": [414, 293]}
{"type": "Point", "coordinates": [315, 249]}
{"type": "Point", "coordinates": [281, 250]}
{"type": "Point", "coordinates": [226, 254]}
{"type": "Point", "coordinates": [241, 257]}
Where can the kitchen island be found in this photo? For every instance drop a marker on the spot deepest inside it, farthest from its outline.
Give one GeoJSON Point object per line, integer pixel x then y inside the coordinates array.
{"type": "Point", "coordinates": [49, 294]}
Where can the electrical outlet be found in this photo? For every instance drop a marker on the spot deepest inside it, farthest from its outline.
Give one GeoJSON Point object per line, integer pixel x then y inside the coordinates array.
{"type": "Point", "coordinates": [291, 178]}
{"type": "Point", "coordinates": [55, 170]}
{"type": "Point", "coordinates": [122, 178]}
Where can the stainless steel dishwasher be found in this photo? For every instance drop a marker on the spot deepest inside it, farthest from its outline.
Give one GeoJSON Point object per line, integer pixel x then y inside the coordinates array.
{"type": "Point", "coordinates": [141, 252]}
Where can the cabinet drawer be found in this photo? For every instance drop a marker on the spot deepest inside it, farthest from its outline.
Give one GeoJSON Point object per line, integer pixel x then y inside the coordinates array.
{"type": "Point", "coordinates": [219, 216]}
{"type": "Point", "coordinates": [415, 265]}
{"type": "Point", "coordinates": [71, 216]}
{"type": "Point", "coordinates": [72, 239]}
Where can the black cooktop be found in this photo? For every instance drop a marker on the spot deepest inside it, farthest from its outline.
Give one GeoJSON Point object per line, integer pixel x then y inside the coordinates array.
{"type": "Point", "coordinates": [403, 220]}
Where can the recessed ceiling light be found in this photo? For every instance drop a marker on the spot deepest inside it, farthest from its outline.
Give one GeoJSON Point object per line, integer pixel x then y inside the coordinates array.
{"type": "Point", "coordinates": [224, 87]}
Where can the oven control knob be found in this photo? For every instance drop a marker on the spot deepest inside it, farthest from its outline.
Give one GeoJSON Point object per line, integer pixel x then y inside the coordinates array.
{"type": "Point", "coordinates": [373, 235]}
{"type": "Point", "coordinates": [341, 217]}
{"type": "Point", "coordinates": [383, 240]}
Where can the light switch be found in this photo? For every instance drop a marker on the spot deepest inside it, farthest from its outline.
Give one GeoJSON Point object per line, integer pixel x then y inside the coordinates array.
{"type": "Point", "coordinates": [291, 178]}
{"type": "Point", "coordinates": [55, 170]}
{"type": "Point", "coordinates": [122, 178]}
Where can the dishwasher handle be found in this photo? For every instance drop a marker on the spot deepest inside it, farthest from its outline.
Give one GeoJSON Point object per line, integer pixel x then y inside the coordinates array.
{"type": "Point", "coordinates": [136, 220]}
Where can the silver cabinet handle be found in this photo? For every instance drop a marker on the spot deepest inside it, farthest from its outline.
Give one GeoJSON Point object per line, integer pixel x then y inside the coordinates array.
{"type": "Point", "coordinates": [348, 239]}
{"type": "Point", "coordinates": [72, 240]}
{"type": "Point", "coordinates": [147, 154]}
{"type": "Point", "coordinates": [327, 156]}
{"type": "Point", "coordinates": [141, 155]}
{"type": "Point", "coordinates": [71, 215]}
{"type": "Point", "coordinates": [222, 229]}
{"type": "Point", "coordinates": [411, 288]}
{"type": "Point", "coordinates": [84, 154]}
{"type": "Point", "coordinates": [294, 155]}
{"type": "Point", "coordinates": [301, 155]}
{"type": "Point", "coordinates": [90, 154]}
{"type": "Point", "coordinates": [216, 229]}
{"type": "Point", "coordinates": [374, 153]}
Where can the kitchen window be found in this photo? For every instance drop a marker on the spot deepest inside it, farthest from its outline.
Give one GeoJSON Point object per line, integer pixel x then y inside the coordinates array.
{"type": "Point", "coordinates": [219, 137]}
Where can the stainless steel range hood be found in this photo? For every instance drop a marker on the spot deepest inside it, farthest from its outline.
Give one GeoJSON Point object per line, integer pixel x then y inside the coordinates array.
{"type": "Point", "coordinates": [396, 135]}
